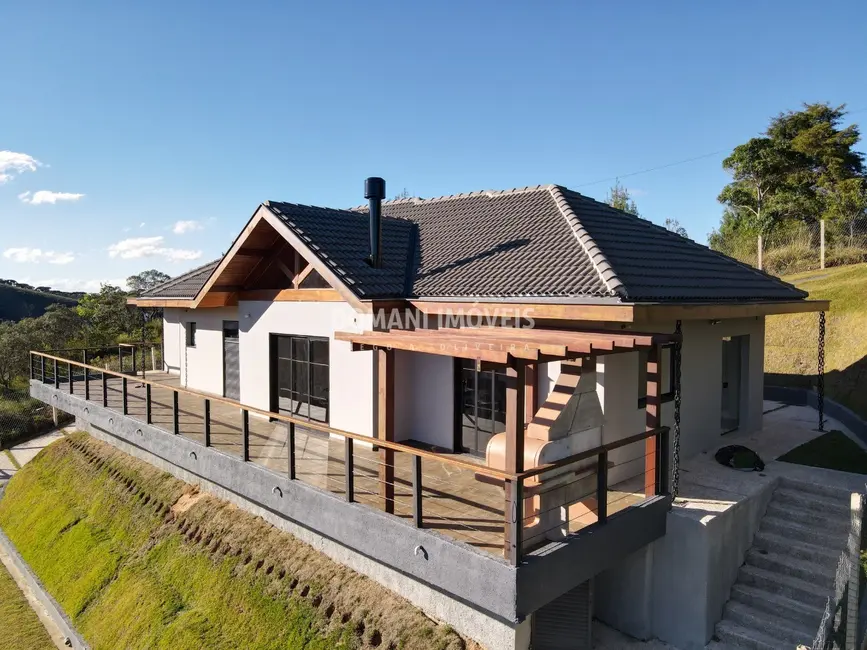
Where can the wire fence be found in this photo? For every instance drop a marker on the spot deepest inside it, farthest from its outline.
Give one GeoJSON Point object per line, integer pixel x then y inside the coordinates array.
{"type": "Point", "coordinates": [23, 417]}
{"type": "Point", "coordinates": [799, 246]}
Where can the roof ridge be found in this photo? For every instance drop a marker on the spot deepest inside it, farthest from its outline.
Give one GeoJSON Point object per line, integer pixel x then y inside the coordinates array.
{"type": "Point", "coordinates": [173, 281]}
{"type": "Point", "coordinates": [600, 262]}
{"type": "Point", "coordinates": [466, 195]}
{"type": "Point", "coordinates": [648, 222]}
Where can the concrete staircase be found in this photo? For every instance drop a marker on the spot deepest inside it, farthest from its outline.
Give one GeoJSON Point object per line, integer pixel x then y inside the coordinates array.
{"type": "Point", "coordinates": [781, 590]}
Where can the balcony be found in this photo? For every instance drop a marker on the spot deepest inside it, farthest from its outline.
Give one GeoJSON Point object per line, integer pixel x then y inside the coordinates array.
{"type": "Point", "coordinates": [471, 512]}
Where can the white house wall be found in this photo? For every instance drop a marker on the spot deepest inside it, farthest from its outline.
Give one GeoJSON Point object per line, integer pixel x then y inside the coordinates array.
{"type": "Point", "coordinates": [172, 341]}
{"type": "Point", "coordinates": [424, 398]}
{"type": "Point", "coordinates": [351, 374]}
{"type": "Point", "coordinates": [202, 365]}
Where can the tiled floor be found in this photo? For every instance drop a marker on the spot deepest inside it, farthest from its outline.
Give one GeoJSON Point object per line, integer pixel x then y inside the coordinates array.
{"type": "Point", "coordinates": [454, 501]}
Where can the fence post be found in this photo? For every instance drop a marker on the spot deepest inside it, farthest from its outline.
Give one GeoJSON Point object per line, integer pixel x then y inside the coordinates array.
{"type": "Point", "coordinates": [759, 250]}
{"type": "Point", "coordinates": [69, 377]}
{"type": "Point", "coordinates": [148, 418]}
{"type": "Point", "coordinates": [417, 518]}
{"type": "Point", "coordinates": [176, 425]}
{"type": "Point", "coordinates": [86, 385]}
{"type": "Point", "coordinates": [291, 451]}
{"type": "Point", "coordinates": [153, 359]}
{"type": "Point", "coordinates": [245, 431]}
{"type": "Point", "coordinates": [822, 243]}
{"type": "Point", "coordinates": [602, 488]}
{"type": "Point", "coordinates": [348, 469]}
{"type": "Point", "coordinates": [104, 391]}
{"type": "Point", "coordinates": [123, 392]}
{"type": "Point", "coordinates": [207, 422]}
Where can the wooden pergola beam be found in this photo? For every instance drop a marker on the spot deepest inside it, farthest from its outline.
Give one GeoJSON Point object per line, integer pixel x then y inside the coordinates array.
{"type": "Point", "coordinates": [653, 418]}
{"type": "Point", "coordinates": [385, 425]}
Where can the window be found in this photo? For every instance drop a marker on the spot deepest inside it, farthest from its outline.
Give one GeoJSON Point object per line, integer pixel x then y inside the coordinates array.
{"type": "Point", "coordinates": [300, 374]}
{"type": "Point", "coordinates": [666, 366]}
{"type": "Point", "coordinates": [191, 335]}
{"type": "Point", "coordinates": [481, 406]}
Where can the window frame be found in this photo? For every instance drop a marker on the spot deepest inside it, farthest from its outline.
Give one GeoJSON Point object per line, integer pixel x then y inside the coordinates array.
{"type": "Point", "coordinates": [309, 365]}
{"type": "Point", "coordinates": [190, 336]}
{"type": "Point", "coordinates": [459, 366]}
{"type": "Point", "coordinates": [665, 397]}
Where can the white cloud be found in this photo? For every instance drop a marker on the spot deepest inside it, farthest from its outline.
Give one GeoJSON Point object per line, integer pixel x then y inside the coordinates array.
{"type": "Point", "coordinates": [36, 255]}
{"type": "Point", "coordinates": [12, 164]}
{"type": "Point", "coordinates": [139, 247]}
{"type": "Point", "coordinates": [142, 224]}
{"type": "Point", "coordinates": [45, 196]}
{"type": "Point", "coordinates": [183, 227]}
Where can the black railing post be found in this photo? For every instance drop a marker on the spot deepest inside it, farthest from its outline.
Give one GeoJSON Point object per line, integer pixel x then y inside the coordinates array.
{"type": "Point", "coordinates": [291, 451]}
{"type": "Point", "coordinates": [207, 422]}
{"type": "Point", "coordinates": [134, 371]}
{"type": "Point", "coordinates": [245, 433]}
{"type": "Point", "coordinates": [32, 367]}
{"type": "Point", "coordinates": [104, 391]}
{"type": "Point", "coordinates": [602, 488]}
{"type": "Point", "coordinates": [176, 423]}
{"type": "Point", "coordinates": [120, 359]}
{"type": "Point", "coordinates": [56, 376]}
{"type": "Point", "coordinates": [42, 367]}
{"type": "Point", "coordinates": [123, 392]}
{"type": "Point", "coordinates": [663, 479]}
{"type": "Point", "coordinates": [69, 377]}
{"type": "Point", "coordinates": [416, 492]}
{"type": "Point", "coordinates": [86, 385]}
{"type": "Point", "coordinates": [348, 469]}
{"type": "Point", "coordinates": [148, 418]}
{"type": "Point", "coordinates": [515, 492]}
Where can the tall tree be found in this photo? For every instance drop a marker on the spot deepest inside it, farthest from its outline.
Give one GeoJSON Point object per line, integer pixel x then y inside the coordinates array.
{"type": "Point", "coordinates": [146, 280]}
{"type": "Point", "coordinates": [106, 316]}
{"type": "Point", "coordinates": [619, 197]}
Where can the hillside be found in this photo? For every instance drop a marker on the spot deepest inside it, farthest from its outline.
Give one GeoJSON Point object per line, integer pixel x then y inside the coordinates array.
{"type": "Point", "coordinates": [139, 559]}
{"type": "Point", "coordinates": [791, 341]}
{"type": "Point", "coordinates": [18, 302]}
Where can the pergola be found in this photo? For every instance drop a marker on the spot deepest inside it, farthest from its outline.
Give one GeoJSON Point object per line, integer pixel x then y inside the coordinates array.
{"type": "Point", "coordinates": [519, 350]}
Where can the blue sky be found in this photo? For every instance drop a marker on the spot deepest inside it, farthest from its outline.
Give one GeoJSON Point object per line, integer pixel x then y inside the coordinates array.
{"type": "Point", "coordinates": [165, 112]}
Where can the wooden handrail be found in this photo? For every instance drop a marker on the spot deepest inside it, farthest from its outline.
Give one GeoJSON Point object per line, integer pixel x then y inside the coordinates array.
{"type": "Point", "coordinates": [385, 444]}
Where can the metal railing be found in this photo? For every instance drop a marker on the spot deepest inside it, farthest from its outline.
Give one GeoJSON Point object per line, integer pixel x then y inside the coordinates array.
{"type": "Point", "coordinates": [456, 496]}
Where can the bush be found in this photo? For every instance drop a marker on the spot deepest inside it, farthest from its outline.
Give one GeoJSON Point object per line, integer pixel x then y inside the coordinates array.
{"type": "Point", "coordinates": [844, 255]}
{"type": "Point", "coordinates": [23, 417]}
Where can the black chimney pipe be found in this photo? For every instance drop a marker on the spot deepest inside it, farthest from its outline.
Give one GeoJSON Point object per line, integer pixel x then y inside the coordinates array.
{"type": "Point", "coordinates": [374, 191]}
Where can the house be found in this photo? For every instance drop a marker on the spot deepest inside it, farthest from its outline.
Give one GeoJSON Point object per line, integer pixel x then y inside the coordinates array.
{"type": "Point", "coordinates": [530, 366]}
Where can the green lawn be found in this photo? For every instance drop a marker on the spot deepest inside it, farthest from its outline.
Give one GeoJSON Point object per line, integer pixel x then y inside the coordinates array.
{"type": "Point", "coordinates": [791, 340]}
{"type": "Point", "coordinates": [20, 628]}
{"type": "Point", "coordinates": [139, 560]}
{"type": "Point", "coordinates": [833, 450]}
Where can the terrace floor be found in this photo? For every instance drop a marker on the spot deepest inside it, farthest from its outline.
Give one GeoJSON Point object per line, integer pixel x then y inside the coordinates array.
{"type": "Point", "coordinates": [454, 501]}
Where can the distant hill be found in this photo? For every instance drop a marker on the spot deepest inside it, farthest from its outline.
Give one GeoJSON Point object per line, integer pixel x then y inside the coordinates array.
{"type": "Point", "coordinates": [19, 301]}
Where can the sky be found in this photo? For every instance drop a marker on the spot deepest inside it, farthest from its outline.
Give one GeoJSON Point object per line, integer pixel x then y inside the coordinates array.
{"type": "Point", "coordinates": [144, 135]}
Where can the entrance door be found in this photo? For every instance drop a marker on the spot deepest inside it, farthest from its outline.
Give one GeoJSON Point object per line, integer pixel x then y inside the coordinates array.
{"type": "Point", "coordinates": [732, 367]}
{"type": "Point", "coordinates": [481, 407]}
{"type": "Point", "coordinates": [231, 361]}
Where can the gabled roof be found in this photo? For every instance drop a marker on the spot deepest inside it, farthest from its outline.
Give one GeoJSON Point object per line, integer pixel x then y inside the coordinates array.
{"type": "Point", "coordinates": [536, 243]}
{"type": "Point", "coordinates": [183, 286]}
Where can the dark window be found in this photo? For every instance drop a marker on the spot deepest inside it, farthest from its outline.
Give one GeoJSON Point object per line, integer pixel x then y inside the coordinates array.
{"type": "Point", "coordinates": [300, 387]}
{"type": "Point", "coordinates": [191, 335]}
{"type": "Point", "coordinates": [666, 366]}
{"type": "Point", "coordinates": [481, 406]}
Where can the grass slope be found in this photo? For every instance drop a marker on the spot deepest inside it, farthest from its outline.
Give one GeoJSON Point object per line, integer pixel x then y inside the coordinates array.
{"type": "Point", "coordinates": [17, 303]}
{"type": "Point", "coordinates": [791, 340]}
{"type": "Point", "coordinates": [138, 559]}
{"type": "Point", "coordinates": [21, 628]}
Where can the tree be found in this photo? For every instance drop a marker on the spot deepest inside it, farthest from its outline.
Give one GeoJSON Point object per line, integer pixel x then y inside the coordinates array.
{"type": "Point", "coordinates": [674, 226]}
{"type": "Point", "coordinates": [145, 280]}
{"type": "Point", "coordinates": [847, 204]}
{"type": "Point", "coordinates": [618, 197]}
{"type": "Point", "coordinates": [106, 316]}
{"type": "Point", "coordinates": [403, 195]}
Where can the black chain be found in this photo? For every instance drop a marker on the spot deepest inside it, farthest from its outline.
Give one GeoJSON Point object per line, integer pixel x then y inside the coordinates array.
{"type": "Point", "coordinates": [675, 478]}
{"type": "Point", "coordinates": [821, 373]}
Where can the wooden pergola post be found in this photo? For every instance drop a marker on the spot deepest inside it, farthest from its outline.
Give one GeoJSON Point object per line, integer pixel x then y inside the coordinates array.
{"type": "Point", "coordinates": [385, 425]}
{"type": "Point", "coordinates": [516, 401]}
{"type": "Point", "coordinates": [652, 420]}
{"type": "Point", "coordinates": [530, 393]}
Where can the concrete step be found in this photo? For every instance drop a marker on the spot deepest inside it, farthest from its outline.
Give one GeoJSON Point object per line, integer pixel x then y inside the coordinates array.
{"type": "Point", "coordinates": [794, 588]}
{"type": "Point", "coordinates": [821, 574]}
{"type": "Point", "coordinates": [828, 521]}
{"type": "Point", "coordinates": [814, 502]}
{"type": "Point", "coordinates": [748, 617]}
{"type": "Point", "coordinates": [797, 549]}
{"type": "Point", "coordinates": [717, 645]}
{"type": "Point", "coordinates": [839, 494]}
{"type": "Point", "coordinates": [742, 637]}
{"type": "Point", "coordinates": [831, 540]}
{"type": "Point", "coordinates": [777, 605]}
